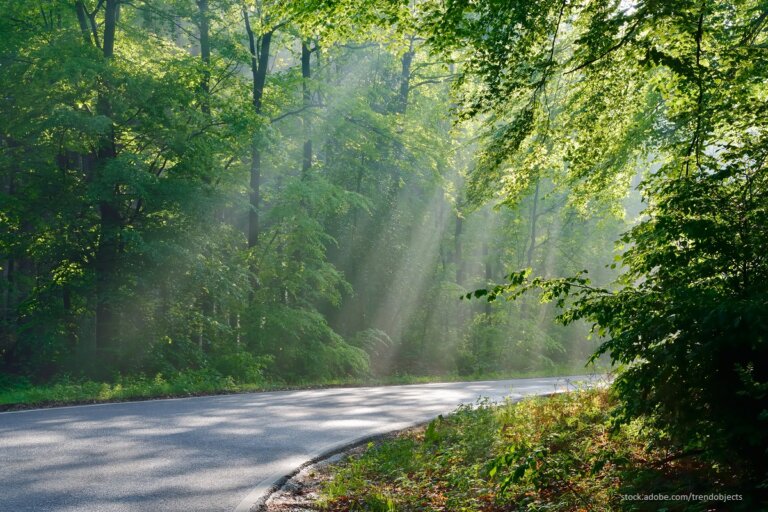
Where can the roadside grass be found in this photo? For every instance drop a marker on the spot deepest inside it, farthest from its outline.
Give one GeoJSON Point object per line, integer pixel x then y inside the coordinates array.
{"type": "Point", "coordinates": [20, 394]}
{"type": "Point", "coordinates": [559, 453]}
{"type": "Point", "coordinates": [66, 391]}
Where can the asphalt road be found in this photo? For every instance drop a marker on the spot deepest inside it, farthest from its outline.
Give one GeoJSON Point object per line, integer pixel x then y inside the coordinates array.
{"type": "Point", "coordinates": [217, 453]}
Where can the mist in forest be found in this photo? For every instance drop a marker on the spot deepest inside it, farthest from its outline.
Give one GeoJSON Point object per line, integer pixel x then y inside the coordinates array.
{"type": "Point", "coordinates": [247, 193]}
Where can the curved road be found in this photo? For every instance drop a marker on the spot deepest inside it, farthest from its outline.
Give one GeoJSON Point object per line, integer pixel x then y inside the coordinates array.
{"type": "Point", "coordinates": [219, 453]}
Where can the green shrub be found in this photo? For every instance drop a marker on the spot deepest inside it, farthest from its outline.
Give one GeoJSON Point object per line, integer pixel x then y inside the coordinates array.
{"type": "Point", "coordinates": [380, 349]}
{"type": "Point", "coordinates": [242, 366]}
{"type": "Point", "coordinates": [303, 346]}
{"type": "Point", "coordinates": [559, 453]}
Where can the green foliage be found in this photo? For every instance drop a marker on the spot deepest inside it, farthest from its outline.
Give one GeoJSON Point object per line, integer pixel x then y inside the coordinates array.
{"type": "Point", "coordinates": [302, 345]}
{"type": "Point", "coordinates": [241, 366]}
{"type": "Point", "coordinates": [67, 390]}
{"type": "Point", "coordinates": [677, 88]}
{"type": "Point", "coordinates": [500, 341]}
{"type": "Point", "coordinates": [552, 453]}
{"type": "Point", "coordinates": [379, 347]}
{"type": "Point", "coordinates": [129, 180]}
{"type": "Point", "coordinates": [695, 325]}
{"type": "Point", "coordinates": [418, 471]}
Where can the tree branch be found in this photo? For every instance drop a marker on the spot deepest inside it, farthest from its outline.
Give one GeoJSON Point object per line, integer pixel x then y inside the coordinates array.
{"type": "Point", "coordinates": [294, 112]}
{"type": "Point", "coordinates": [624, 40]}
{"type": "Point", "coordinates": [695, 145]}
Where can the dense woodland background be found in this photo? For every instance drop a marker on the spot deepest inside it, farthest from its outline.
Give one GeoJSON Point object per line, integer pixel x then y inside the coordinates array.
{"type": "Point", "coordinates": [250, 187]}
{"type": "Point", "coordinates": [301, 190]}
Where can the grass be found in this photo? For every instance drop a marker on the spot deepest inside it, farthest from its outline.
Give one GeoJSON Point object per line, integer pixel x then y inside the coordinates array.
{"type": "Point", "coordinates": [559, 453]}
{"type": "Point", "coordinates": [21, 395]}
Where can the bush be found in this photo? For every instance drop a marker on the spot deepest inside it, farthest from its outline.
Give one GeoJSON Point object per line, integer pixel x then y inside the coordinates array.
{"type": "Point", "coordinates": [302, 345]}
{"type": "Point", "coordinates": [499, 342]}
{"type": "Point", "coordinates": [688, 323]}
{"type": "Point", "coordinates": [380, 349]}
{"type": "Point", "coordinates": [559, 453]}
{"type": "Point", "coordinates": [242, 366]}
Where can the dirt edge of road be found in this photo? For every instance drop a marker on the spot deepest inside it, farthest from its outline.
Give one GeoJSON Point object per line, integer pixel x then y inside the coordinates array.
{"type": "Point", "coordinates": [299, 491]}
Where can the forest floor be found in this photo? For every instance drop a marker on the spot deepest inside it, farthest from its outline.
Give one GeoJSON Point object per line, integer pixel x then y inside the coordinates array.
{"type": "Point", "coordinates": [202, 383]}
{"type": "Point", "coordinates": [556, 453]}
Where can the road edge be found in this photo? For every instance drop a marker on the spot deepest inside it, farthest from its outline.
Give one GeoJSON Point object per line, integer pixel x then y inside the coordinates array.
{"type": "Point", "coordinates": [256, 500]}
{"type": "Point", "coordinates": [267, 491]}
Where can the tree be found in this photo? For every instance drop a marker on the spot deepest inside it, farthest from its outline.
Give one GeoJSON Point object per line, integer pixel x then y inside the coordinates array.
{"type": "Point", "coordinates": [115, 161]}
{"type": "Point", "coordinates": [197, 186]}
{"type": "Point", "coordinates": [678, 83]}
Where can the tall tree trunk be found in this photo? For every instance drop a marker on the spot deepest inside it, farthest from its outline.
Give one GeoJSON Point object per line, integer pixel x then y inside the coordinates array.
{"type": "Point", "coordinates": [8, 319]}
{"type": "Point", "coordinates": [110, 25]}
{"type": "Point", "coordinates": [259, 47]}
{"type": "Point", "coordinates": [458, 259]}
{"type": "Point", "coordinates": [401, 106]}
{"type": "Point", "coordinates": [206, 300]}
{"type": "Point", "coordinates": [63, 162]}
{"type": "Point", "coordinates": [8, 286]}
{"type": "Point", "coordinates": [254, 226]}
{"type": "Point", "coordinates": [532, 241]}
{"type": "Point", "coordinates": [82, 20]}
{"type": "Point", "coordinates": [70, 319]}
{"type": "Point", "coordinates": [405, 78]}
{"type": "Point", "coordinates": [105, 265]}
{"type": "Point", "coordinates": [534, 218]}
{"type": "Point", "coordinates": [110, 222]}
{"type": "Point", "coordinates": [306, 75]}
{"type": "Point", "coordinates": [203, 24]}
{"type": "Point", "coordinates": [488, 273]}
{"type": "Point", "coordinates": [460, 314]}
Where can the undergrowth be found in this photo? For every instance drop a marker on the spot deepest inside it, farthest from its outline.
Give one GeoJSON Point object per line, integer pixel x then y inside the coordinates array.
{"type": "Point", "coordinates": [560, 453]}
{"type": "Point", "coordinates": [20, 393]}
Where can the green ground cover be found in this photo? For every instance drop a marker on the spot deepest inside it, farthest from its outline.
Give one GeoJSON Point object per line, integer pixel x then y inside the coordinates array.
{"type": "Point", "coordinates": [19, 393]}
{"type": "Point", "coordinates": [560, 453]}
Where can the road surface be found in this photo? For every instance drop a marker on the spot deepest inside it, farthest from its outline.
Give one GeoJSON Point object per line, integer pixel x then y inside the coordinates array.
{"type": "Point", "coordinates": [218, 453]}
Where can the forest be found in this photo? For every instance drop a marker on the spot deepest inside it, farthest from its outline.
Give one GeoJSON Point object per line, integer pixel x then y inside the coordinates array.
{"type": "Point", "coordinates": [277, 191]}
{"type": "Point", "coordinates": [256, 190]}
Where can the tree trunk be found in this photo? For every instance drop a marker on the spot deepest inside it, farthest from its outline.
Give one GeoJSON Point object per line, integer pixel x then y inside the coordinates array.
{"type": "Point", "coordinates": [306, 75]}
{"type": "Point", "coordinates": [532, 242]}
{"type": "Point", "coordinates": [205, 52]}
{"type": "Point", "coordinates": [110, 25]}
{"type": "Point", "coordinates": [259, 48]}
{"type": "Point", "coordinates": [405, 79]}
{"type": "Point", "coordinates": [82, 20]}
{"type": "Point", "coordinates": [458, 259]}
{"type": "Point", "coordinates": [105, 265]}
{"type": "Point", "coordinates": [534, 218]}
{"type": "Point", "coordinates": [110, 221]}
{"type": "Point", "coordinates": [8, 287]}
{"type": "Point", "coordinates": [254, 227]}
{"type": "Point", "coordinates": [70, 319]}
{"type": "Point", "coordinates": [488, 273]}
{"type": "Point", "coordinates": [401, 107]}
